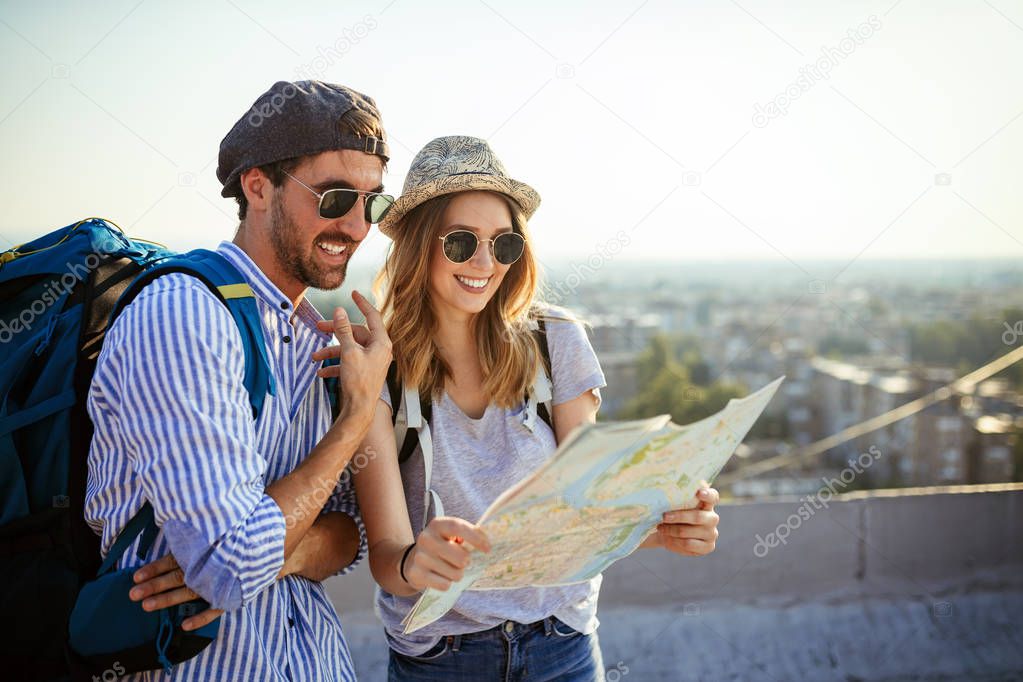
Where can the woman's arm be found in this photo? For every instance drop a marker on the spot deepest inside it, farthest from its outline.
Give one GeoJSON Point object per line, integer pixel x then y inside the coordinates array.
{"type": "Point", "coordinates": [439, 557]}
{"type": "Point", "coordinates": [568, 415]}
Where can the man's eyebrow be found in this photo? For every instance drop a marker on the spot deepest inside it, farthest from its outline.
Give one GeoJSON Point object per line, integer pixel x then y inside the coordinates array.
{"type": "Point", "coordinates": [337, 183]}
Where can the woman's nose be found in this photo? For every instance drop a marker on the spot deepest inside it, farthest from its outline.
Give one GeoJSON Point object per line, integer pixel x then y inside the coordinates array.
{"type": "Point", "coordinates": [484, 257]}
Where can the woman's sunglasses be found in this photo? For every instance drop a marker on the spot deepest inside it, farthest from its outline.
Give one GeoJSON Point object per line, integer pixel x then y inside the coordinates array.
{"type": "Point", "coordinates": [461, 245]}
{"type": "Point", "coordinates": [335, 203]}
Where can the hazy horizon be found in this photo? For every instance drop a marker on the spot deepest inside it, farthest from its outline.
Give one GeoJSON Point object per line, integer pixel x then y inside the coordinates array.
{"type": "Point", "coordinates": [714, 131]}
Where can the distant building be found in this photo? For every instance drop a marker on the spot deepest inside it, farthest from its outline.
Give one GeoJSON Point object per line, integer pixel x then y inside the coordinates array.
{"type": "Point", "coordinates": [950, 442]}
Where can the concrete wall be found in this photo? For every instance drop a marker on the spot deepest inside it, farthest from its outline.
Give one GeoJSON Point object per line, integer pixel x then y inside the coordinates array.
{"type": "Point", "coordinates": [911, 584]}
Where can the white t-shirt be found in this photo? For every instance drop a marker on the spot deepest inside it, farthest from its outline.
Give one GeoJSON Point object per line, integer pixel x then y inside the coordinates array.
{"type": "Point", "coordinates": [474, 461]}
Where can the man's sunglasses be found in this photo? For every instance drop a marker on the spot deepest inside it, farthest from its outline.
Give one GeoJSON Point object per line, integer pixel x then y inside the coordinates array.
{"type": "Point", "coordinates": [461, 245]}
{"type": "Point", "coordinates": [335, 203]}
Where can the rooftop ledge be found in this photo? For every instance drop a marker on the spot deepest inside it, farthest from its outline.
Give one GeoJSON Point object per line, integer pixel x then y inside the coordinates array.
{"type": "Point", "coordinates": [914, 583]}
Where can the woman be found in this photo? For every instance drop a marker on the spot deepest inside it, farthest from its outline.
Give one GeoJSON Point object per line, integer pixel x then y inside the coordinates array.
{"type": "Point", "coordinates": [459, 298]}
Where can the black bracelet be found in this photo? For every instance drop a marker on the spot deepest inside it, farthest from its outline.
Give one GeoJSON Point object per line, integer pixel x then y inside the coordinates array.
{"type": "Point", "coordinates": [401, 566]}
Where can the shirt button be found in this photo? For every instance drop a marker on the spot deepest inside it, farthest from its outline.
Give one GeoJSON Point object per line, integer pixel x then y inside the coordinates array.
{"type": "Point", "coordinates": [509, 626]}
{"type": "Point", "coordinates": [286, 339]}
{"type": "Point", "coordinates": [285, 305]}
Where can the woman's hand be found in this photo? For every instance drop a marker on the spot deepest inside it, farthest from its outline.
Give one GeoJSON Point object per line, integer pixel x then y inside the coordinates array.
{"type": "Point", "coordinates": [440, 555]}
{"type": "Point", "coordinates": [690, 532]}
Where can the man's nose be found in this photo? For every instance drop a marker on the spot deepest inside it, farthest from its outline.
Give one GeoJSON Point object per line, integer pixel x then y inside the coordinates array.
{"type": "Point", "coordinates": [354, 223]}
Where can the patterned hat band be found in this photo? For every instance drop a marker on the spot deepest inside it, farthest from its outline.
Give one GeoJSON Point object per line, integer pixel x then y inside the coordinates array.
{"type": "Point", "coordinates": [456, 164]}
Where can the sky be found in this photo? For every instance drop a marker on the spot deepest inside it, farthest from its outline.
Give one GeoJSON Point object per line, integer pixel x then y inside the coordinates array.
{"type": "Point", "coordinates": [709, 131]}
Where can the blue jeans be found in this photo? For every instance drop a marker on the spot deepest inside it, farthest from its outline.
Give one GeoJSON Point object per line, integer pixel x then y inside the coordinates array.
{"type": "Point", "coordinates": [543, 651]}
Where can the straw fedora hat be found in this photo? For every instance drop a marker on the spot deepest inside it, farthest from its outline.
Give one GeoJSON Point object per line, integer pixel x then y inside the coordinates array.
{"type": "Point", "coordinates": [456, 163]}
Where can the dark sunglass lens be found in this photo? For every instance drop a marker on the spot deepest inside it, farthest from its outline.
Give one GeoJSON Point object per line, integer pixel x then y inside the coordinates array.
{"type": "Point", "coordinates": [460, 246]}
{"type": "Point", "coordinates": [377, 206]}
{"type": "Point", "coordinates": [508, 247]}
{"type": "Point", "coordinates": [337, 202]}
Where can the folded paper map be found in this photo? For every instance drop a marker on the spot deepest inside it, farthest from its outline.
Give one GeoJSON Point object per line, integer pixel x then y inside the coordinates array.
{"type": "Point", "coordinates": [595, 500]}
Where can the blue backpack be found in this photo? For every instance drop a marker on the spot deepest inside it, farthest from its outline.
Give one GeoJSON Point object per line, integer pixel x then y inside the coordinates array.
{"type": "Point", "coordinates": [58, 296]}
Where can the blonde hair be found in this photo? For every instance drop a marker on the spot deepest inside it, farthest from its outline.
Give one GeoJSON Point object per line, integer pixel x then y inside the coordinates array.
{"type": "Point", "coordinates": [508, 352]}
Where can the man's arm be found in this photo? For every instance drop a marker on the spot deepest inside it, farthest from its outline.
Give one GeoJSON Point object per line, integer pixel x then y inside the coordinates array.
{"type": "Point", "coordinates": [330, 548]}
{"type": "Point", "coordinates": [189, 434]}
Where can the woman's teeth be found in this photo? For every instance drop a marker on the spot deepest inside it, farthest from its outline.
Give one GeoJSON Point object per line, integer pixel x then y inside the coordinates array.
{"type": "Point", "coordinates": [474, 283]}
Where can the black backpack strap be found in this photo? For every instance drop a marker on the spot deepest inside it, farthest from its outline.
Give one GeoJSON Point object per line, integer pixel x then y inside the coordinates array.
{"type": "Point", "coordinates": [394, 389]}
{"type": "Point", "coordinates": [540, 334]}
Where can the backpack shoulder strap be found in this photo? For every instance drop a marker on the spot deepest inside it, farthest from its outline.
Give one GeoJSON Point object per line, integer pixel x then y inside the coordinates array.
{"type": "Point", "coordinates": [406, 438]}
{"type": "Point", "coordinates": [394, 389]}
{"type": "Point", "coordinates": [543, 407]}
{"type": "Point", "coordinates": [229, 285]}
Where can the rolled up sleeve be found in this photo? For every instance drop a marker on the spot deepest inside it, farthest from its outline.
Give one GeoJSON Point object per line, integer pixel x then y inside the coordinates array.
{"type": "Point", "coordinates": [343, 500]}
{"type": "Point", "coordinates": [188, 430]}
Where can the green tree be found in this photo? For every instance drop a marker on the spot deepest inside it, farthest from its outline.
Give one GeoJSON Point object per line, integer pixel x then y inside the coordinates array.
{"type": "Point", "coordinates": [667, 386]}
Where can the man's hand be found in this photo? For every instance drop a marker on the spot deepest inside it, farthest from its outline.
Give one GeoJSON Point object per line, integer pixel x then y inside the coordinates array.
{"type": "Point", "coordinates": [162, 584]}
{"type": "Point", "coordinates": [690, 532]}
{"type": "Point", "coordinates": [365, 353]}
{"type": "Point", "coordinates": [332, 539]}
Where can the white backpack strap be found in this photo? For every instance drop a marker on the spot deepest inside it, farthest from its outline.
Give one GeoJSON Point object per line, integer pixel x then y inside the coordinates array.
{"type": "Point", "coordinates": [414, 420]}
{"type": "Point", "coordinates": [539, 392]}
{"type": "Point", "coordinates": [410, 396]}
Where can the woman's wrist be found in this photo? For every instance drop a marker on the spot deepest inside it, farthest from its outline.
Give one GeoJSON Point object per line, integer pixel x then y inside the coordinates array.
{"type": "Point", "coordinates": [404, 559]}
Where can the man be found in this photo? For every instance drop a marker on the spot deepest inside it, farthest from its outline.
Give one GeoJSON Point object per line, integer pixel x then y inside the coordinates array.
{"type": "Point", "coordinates": [252, 510]}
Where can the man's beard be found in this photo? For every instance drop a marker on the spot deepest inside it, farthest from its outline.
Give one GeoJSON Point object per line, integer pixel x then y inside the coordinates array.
{"type": "Point", "coordinates": [291, 254]}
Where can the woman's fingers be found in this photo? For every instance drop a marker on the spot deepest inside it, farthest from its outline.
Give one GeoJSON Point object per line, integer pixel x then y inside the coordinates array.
{"type": "Point", "coordinates": [453, 554]}
{"type": "Point", "coordinates": [708, 497]}
{"type": "Point", "coordinates": [434, 580]}
{"type": "Point", "coordinates": [425, 563]}
{"type": "Point", "coordinates": [694, 517]}
{"type": "Point", "coordinates": [682, 531]}
{"type": "Point", "coordinates": [689, 546]}
{"type": "Point", "coordinates": [460, 530]}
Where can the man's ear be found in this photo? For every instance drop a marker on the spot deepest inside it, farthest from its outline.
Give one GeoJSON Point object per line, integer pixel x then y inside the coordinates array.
{"type": "Point", "coordinates": [257, 188]}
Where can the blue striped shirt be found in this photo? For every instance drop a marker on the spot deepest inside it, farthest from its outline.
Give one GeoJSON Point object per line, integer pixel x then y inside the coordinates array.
{"type": "Point", "coordinates": [173, 426]}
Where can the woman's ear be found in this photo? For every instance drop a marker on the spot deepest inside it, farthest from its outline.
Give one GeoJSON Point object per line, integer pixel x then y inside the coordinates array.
{"type": "Point", "coordinates": [257, 189]}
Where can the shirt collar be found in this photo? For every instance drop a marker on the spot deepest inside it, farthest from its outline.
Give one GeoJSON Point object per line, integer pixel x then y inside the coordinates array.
{"type": "Point", "coordinates": [268, 292]}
